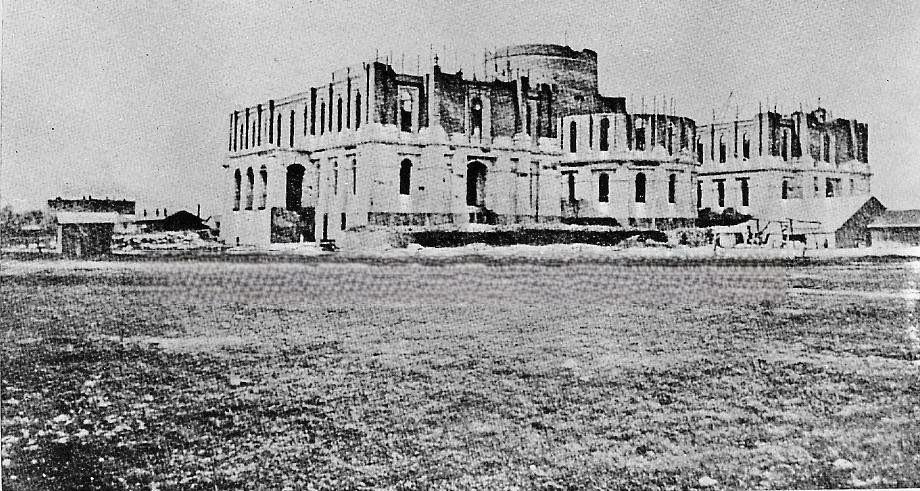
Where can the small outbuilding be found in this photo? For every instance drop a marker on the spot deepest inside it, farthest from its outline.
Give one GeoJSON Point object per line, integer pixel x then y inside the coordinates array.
{"type": "Point", "coordinates": [896, 228]}
{"type": "Point", "coordinates": [833, 222]}
{"type": "Point", "coordinates": [86, 234]}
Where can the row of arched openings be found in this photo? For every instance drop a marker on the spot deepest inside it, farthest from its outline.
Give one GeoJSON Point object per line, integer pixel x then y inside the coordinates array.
{"type": "Point", "coordinates": [603, 139]}
{"type": "Point", "coordinates": [249, 188]}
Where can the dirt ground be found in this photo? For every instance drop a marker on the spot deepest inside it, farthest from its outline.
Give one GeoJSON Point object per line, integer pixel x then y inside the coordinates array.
{"type": "Point", "coordinates": [459, 373]}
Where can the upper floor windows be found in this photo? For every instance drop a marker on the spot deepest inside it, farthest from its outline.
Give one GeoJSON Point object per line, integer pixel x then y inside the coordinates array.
{"type": "Point", "coordinates": [338, 111]}
{"type": "Point", "coordinates": [405, 112]}
{"type": "Point", "coordinates": [721, 150]}
{"type": "Point", "coordinates": [476, 116]}
{"type": "Point", "coordinates": [278, 139]}
{"type": "Point", "coordinates": [357, 110]}
{"type": "Point", "coordinates": [784, 149]}
{"type": "Point", "coordinates": [322, 118]}
{"type": "Point", "coordinates": [745, 146]}
{"type": "Point", "coordinates": [640, 139]}
{"type": "Point", "coordinates": [604, 137]}
{"type": "Point", "coordinates": [573, 137]}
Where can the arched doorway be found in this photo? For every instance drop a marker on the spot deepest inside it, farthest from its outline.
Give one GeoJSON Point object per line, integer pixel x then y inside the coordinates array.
{"type": "Point", "coordinates": [294, 187]}
{"type": "Point", "coordinates": [475, 184]}
{"type": "Point", "coordinates": [475, 191]}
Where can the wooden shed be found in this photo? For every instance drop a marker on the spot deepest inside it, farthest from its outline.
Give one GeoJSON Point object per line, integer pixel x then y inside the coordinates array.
{"type": "Point", "coordinates": [85, 234]}
{"type": "Point", "coordinates": [896, 228]}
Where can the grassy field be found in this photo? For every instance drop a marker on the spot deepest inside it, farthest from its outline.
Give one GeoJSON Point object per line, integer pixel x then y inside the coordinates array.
{"type": "Point", "coordinates": [453, 374]}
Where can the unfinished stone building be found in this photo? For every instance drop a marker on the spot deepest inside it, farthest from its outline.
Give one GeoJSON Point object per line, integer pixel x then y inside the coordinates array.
{"type": "Point", "coordinates": [533, 142]}
{"type": "Point", "coordinates": [764, 165]}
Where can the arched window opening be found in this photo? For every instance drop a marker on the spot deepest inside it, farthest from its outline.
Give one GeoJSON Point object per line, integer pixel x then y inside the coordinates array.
{"type": "Point", "coordinates": [672, 188]}
{"type": "Point", "coordinates": [785, 194]}
{"type": "Point", "coordinates": [354, 176]}
{"type": "Point", "coordinates": [475, 184]}
{"type": "Point", "coordinates": [571, 184]}
{"type": "Point", "coordinates": [237, 189]}
{"type": "Point", "coordinates": [745, 146]}
{"type": "Point", "coordinates": [699, 151]}
{"type": "Point", "coordinates": [605, 130]}
{"type": "Point", "coordinates": [745, 192]}
{"type": "Point", "coordinates": [829, 191]}
{"type": "Point", "coordinates": [640, 188]}
{"type": "Point", "coordinates": [573, 137]}
{"type": "Point", "coordinates": [250, 187]}
{"type": "Point", "coordinates": [338, 111]}
{"type": "Point", "coordinates": [405, 177]}
{"type": "Point", "coordinates": [357, 110]}
{"type": "Point", "coordinates": [278, 139]}
{"type": "Point", "coordinates": [335, 178]}
{"type": "Point", "coordinates": [294, 187]}
{"type": "Point", "coordinates": [785, 148]}
{"type": "Point", "coordinates": [322, 118]}
{"type": "Point", "coordinates": [721, 150]}
{"type": "Point", "coordinates": [405, 112]}
{"type": "Point", "coordinates": [263, 180]}
{"type": "Point", "coordinates": [699, 195]}
{"type": "Point", "coordinates": [476, 117]}
{"type": "Point", "coordinates": [827, 148]}
{"type": "Point", "coordinates": [527, 118]}
{"type": "Point", "coordinates": [670, 138]}
{"type": "Point", "coordinates": [720, 186]}
{"type": "Point", "coordinates": [603, 187]}
{"type": "Point", "coordinates": [305, 120]}
{"type": "Point", "coordinates": [640, 139]}
{"type": "Point", "coordinates": [291, 131]}
{"type": "Point", "coordinates": [342, 223]}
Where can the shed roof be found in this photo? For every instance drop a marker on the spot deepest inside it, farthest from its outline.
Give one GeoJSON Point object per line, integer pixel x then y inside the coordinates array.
{"type": "Point", "coordinates": [832, 213]}
{"type": "Point", "coordinates": [897, 218]}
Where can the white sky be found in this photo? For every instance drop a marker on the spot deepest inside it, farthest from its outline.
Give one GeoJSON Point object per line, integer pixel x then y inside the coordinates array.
{"type": "Point", "coordinates": [131, 99]}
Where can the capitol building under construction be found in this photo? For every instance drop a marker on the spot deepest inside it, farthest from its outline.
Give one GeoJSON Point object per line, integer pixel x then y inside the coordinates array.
{"type": "Point", "coordinates": [532, 142]}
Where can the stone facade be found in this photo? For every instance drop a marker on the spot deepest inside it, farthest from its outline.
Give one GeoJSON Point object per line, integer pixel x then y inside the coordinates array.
{"type": "Point", "coordinates": [759, 166]}
{"type": "Point", "coordinates": [535, 142]}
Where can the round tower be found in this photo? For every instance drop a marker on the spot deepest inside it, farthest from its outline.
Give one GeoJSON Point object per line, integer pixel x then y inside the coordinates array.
{"type": "Point", "coordinates": [572, 73]}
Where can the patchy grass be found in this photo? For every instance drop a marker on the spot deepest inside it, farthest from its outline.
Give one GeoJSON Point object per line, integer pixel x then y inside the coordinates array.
{"type": "Point", "coordinates": [453, 375]}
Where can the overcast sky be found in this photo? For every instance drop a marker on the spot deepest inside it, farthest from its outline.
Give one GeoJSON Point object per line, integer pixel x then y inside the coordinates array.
{"type": "Point", "coordinates": [131, 99]}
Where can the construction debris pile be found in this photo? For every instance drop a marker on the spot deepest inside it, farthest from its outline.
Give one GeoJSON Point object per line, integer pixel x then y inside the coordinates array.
{"type": "Point", "coordinates": [181, 240]}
